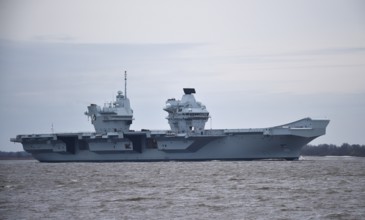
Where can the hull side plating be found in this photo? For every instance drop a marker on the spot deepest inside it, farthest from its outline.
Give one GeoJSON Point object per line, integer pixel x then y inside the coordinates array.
{"type": "Point", "coordinates": [281, 142]}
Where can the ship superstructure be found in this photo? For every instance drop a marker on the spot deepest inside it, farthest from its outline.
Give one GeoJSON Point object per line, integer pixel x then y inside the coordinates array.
{"type": "Point", "coordinates": [115, 116]}
{"type": "Point", "coordinates": [188, 140]}
{"type": "Point", "coordinates": [187, 115]}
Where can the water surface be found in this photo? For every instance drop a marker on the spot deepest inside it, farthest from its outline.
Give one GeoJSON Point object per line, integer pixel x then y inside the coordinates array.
{"type": "Point", "coordinates": [311, 188]}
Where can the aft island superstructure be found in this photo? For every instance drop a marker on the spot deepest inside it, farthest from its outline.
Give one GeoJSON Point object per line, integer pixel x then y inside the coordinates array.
{"type": "Point", "coordinates": [187, 140]}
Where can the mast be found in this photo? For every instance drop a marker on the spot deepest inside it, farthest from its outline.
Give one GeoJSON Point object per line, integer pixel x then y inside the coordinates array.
{"type": "Point", "coordinates": [125, 84]}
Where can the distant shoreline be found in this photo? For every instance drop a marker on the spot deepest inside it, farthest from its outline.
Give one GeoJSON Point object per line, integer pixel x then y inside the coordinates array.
{"type": "Point", "coordinates": [345, 149]}
{"type": "Point", "coordinates": [20, 155]}
{"type": "Point", "coordinates": [17, 158]}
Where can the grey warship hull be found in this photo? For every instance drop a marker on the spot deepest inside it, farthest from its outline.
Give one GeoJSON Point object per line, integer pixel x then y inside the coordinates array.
{"type": "Point", "coordinates": [279, 142]}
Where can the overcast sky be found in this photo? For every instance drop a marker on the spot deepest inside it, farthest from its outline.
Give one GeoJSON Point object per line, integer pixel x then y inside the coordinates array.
{"type": "Point", "coordinates": [253, 63]}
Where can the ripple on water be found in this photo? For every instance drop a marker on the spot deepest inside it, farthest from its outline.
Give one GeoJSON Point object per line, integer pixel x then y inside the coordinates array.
{"type": "Point", "coordinates": [311, 188]}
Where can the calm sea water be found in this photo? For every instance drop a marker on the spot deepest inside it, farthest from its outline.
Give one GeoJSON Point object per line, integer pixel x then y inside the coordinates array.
{"type": "Point", "coordinates": [311, 188]}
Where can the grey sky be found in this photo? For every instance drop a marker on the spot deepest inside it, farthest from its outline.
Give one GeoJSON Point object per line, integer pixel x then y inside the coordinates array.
{"type": "Point", "coordinates": [253, 63]}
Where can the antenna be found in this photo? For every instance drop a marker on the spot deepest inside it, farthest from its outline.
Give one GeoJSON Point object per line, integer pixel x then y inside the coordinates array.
{"type": "Point", "coordinates": [125, 84]}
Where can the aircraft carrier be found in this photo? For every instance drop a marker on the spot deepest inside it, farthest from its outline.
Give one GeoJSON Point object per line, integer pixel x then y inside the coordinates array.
{"type": "Point", "coordinates": [187, 140]}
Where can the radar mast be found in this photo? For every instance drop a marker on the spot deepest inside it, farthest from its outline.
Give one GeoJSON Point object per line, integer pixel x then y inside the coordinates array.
{"type": "Point", "coordinates": [125, 84]}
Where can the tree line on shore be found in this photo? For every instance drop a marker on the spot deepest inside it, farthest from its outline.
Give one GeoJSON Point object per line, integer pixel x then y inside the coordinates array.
{"type": "Point", "coordinates": [14, 155]}
{"type": "Point", "coordinates": [334, 150]}
{"type": "Point", "coordinates": [308, 150]}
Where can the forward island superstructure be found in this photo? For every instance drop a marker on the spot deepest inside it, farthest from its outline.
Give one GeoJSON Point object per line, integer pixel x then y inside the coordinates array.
{"type": "Point", "coordinates": [187, 140]}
